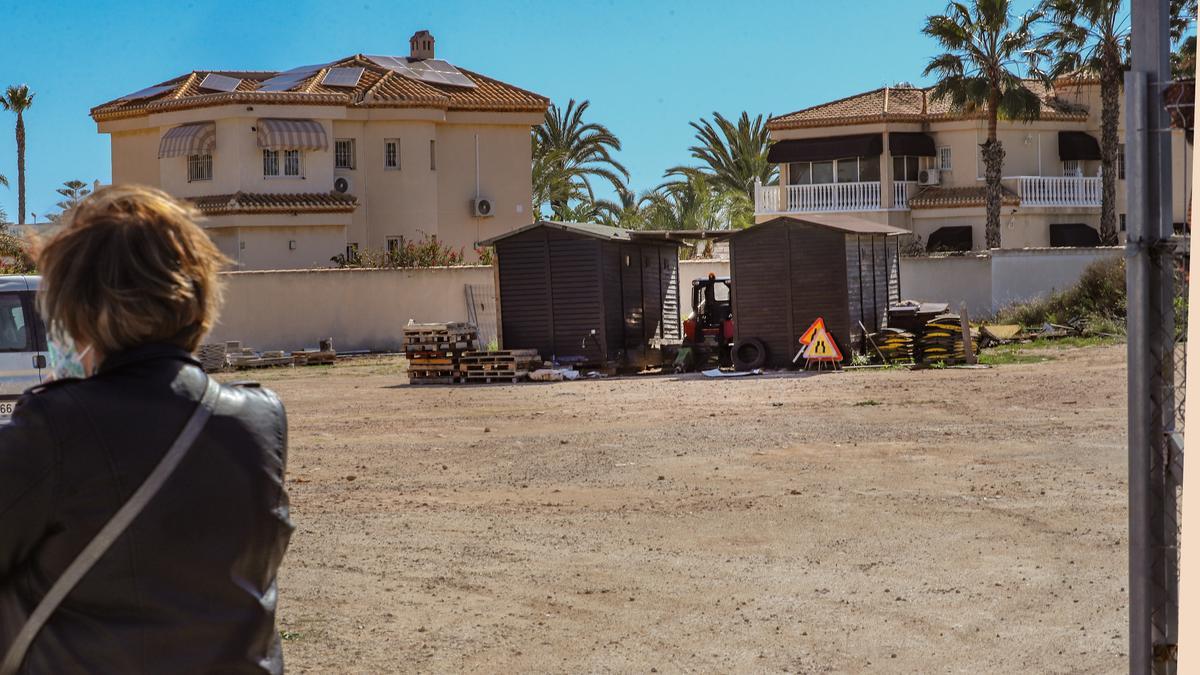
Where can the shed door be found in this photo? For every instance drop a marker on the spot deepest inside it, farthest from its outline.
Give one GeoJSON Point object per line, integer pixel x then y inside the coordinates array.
{"type": "Point", "coordinates": [819, 289]}
{"type": "Point", "coordinates": [652, 296]}
{"type": "Point", "coordinates": [577, 296]}
{"type": "Point", "coordinates": [525, 289]}
{"type": "Point", "coordinates": [760, 276]}
{"type": "Point", "coordinates": [631, 295]}
{"type": "Point", "coordinates": [672, 329]}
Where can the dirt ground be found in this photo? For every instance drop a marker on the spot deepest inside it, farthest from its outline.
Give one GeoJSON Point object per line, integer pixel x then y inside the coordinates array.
{"type": "Point", "coordinates": [888, 521]}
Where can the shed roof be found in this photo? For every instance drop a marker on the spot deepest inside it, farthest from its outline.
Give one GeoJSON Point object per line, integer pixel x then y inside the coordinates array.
{"type": "Point", "coordinates": [594, 230]}
{"type": "Point", "coordinates": [833, 221]}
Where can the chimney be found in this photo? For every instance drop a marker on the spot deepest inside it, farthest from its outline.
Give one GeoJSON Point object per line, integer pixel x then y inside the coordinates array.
{"type": "Point", "coordinates": [420, 45]}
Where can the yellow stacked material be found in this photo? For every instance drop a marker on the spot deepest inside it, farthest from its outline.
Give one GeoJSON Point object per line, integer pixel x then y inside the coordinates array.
{"type": "Point", "coordinates": [895, 345]}
{"type": "Point", "coordinates": [941, 340]}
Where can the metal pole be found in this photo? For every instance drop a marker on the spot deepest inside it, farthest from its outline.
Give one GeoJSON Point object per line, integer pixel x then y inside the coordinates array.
{"type": "Point", "coordinates": [1137, 273]}
{"type": "Point", "coordinates": [1153, 593]}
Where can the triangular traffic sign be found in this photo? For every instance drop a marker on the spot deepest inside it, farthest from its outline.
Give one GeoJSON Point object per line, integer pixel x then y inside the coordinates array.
{"type": "Point", "coordinates": [808, 334]}
{"type": "Point", "coordinates": [821, 346]}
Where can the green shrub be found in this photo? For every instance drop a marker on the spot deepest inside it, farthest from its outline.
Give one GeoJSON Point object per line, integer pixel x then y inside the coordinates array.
{"type": "Point", "coordinates": [429, 252]}
{"type": "Point", "coordinates": [1095, 304]}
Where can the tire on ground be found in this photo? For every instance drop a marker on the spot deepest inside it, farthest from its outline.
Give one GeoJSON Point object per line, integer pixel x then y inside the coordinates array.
{"type": "Point", "coordinates": [749, 353]}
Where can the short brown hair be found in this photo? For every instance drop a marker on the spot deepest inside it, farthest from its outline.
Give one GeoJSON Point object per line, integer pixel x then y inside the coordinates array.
{"type": "Point", "coordinates": [130, 267]}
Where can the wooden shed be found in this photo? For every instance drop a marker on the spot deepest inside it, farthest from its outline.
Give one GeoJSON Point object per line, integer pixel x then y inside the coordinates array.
{"type": "Point", "coordinates": [789, 271]}
{"type": "Point", "coordinates": [587, 294]}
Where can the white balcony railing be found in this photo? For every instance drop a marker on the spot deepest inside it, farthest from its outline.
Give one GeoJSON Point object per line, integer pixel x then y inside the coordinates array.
{"type": "Point", "coordinates": [1058, 191]}
{"type": "Point", "coordinates": [863, 196]}
{"type": "Point", "coordinates": [901, 191]}
{"type": "Point", "coordinates": [766, 198]}
{"type": "Point", "coordinates": [827, 197]}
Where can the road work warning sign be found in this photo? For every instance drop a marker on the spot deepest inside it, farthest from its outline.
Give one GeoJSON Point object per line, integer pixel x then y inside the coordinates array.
{"type": "Point", "coordinates": [819, 344]}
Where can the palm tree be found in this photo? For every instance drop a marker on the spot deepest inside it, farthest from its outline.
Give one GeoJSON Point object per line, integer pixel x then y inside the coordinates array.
{"type": "Point", "coordinates": [1091, 39]}
{"type": "Point", "coordinates": [17, 99]}
{"type": "Point", "coordinates": [980, 70]}
{"type": "Point", "coordinates": [692, 202]}
{"type": "Point", "coordinates": [573, 152]}
{"type": "Point", "coordinates": [628, 210]}
{"type": "Point", "coordinates": [1183, 61]}
{"type": "Point", "coordinates": [734, 155]}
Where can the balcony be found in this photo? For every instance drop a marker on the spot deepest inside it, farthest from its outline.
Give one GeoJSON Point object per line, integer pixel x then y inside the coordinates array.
{"type": "Point", "coordinates": [829, 197]}
{"type": "Point", "coordinates": [1067, 191]}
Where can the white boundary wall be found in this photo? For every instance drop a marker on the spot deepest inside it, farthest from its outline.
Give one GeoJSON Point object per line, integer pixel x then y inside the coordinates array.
{"type": "Point", "coordinates": [989, 282]}
{"type": "Point", "coordinates": [363, 309]}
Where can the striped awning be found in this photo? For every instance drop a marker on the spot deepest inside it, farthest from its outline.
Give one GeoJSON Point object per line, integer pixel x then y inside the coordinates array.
{"type": "Point", "coordinates": [198, 138]}
{"type": "Point", "coordinates": [281, 134]}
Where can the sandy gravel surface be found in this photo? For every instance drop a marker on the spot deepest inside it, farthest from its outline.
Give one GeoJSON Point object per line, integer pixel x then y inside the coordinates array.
{"type": "Point", "coordinates": [886, 521]}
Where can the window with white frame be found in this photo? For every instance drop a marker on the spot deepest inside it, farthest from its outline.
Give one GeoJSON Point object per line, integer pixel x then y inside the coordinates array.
{"type": "Point", "coordinates": [393, 244]}
{"type": "Point", "coordinates": [1072, 167]}
{"type": "Point", "coordinates": [199, 167]}
{"type": "Point", "coordinates": [270, 162]}
{"type": "Point", "coordinates": [293, 163]}
{"type": "Point", "coordinates": [391, 153]}
{"type": "Point", "coordinates": [848, 170]}
{"type": "Point", "coordinates": [343, 153]}
{"type": "Point", "coordinates": [286, 163]}
{"type": "Point", "coordinates": [945, 158]}
{"type": "Point", "coordinates": [906, 168]}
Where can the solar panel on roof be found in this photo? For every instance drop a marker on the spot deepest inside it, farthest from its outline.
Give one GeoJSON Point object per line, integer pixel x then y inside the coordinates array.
{"type": "Point", "coordinates": [290, 78]}
{"type": "Point", "coordinates": [147, 92]}
{"type": "Point", "coordinates": [342, 77]}
{"type": "Point", "coordinates": [215, 82]}
{"type": "Point", "coordinates": [434, 71]}
{"type": "Point", "coordinates": [449, 73]}
{"type": "Point", "coordinates": [459, 80]}
{"type": "Point", "coordinates": [399, 65]}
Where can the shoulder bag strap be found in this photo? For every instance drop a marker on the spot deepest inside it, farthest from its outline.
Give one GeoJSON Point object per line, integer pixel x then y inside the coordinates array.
{"type": "Point", "coordinates": [112, 530]}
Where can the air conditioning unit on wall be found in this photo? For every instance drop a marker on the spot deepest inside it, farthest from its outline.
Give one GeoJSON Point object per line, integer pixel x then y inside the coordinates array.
{"type": "Point", "coordinates": [341, 185]}
{"type": "Point", "coordinates": [929, 177]}
{"type": "Point", "coordinates": [483, 207]}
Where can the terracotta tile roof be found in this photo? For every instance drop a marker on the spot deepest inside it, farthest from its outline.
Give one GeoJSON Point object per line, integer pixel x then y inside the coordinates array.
{"type": "Point", "coordinates": [265, 202]}
{"type": "Point", "coordinates": [953, 197]}
{"type": "Point", "coordinates": [378, 88]}
{"type": "Point", "coordinates": [907, 103]}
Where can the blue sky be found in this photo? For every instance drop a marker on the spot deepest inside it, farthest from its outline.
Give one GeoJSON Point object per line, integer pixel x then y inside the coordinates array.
{"type": "Point", "coordinates": [647, 67]}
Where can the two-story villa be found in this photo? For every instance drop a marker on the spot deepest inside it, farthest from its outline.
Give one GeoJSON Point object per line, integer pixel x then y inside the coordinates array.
{"type": "Point", "coordinates": [365, 152]}
{"type": "Point", "coordinates": [897, 156]}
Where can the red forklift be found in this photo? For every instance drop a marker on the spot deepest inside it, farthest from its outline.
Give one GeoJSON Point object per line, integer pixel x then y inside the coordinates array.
{"type": "Point", "coordinates": [708, 330]}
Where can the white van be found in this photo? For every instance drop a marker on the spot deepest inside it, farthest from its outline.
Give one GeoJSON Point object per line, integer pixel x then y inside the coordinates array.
{"type": "Point", "coordinates": [22, 341]}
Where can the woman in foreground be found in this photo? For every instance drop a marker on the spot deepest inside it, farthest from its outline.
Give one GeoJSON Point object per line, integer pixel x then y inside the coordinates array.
{"type": "Point", "coordinates": [129, 289]}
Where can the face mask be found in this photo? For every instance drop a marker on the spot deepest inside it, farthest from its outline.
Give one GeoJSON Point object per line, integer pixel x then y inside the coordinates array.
{"type": "Point", "coordinates": [66, 361]}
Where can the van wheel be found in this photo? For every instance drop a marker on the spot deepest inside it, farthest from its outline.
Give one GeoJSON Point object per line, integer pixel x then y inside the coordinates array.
{"type": "Point", "coordinates": [749, 353]}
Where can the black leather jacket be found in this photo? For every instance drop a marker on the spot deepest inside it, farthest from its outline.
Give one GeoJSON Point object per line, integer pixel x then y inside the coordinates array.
{"type": "Point", "coordinates": [190, 587]}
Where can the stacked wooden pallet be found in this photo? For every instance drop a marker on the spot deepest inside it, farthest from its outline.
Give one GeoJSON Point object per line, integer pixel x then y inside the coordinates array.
{"type": "Point", "coordinates": [213, 356]}
{"type": "Point", "coordinates": [248, 358]}
{"type": "Point", "coordinates": [314, 358]}
{"type": "Point", "coordinates": [509, 365]}
{"type": "Point", "coordinates": [433, 351]}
